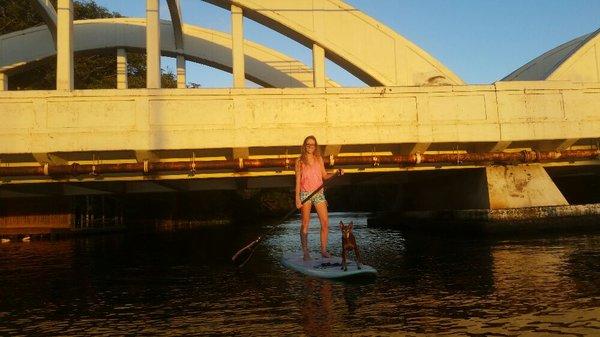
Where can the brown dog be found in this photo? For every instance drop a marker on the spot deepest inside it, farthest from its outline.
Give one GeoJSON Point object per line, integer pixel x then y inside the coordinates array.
{"type": "Point", "coordinates": [348, 244]}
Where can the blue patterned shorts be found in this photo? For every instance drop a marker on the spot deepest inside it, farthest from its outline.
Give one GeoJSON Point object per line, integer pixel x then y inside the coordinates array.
{"type": "Point", "coordinates": [318, 198]}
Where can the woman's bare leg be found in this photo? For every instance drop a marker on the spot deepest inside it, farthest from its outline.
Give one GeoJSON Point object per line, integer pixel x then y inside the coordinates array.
{"type": "Point", "coordinates": [305, 211]}
{"type": "Point", "coordinates": [324, 219]}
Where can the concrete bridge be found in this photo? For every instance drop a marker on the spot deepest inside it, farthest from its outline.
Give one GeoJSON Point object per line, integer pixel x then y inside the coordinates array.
{"type": "Point", "coordinates": [416, 116]}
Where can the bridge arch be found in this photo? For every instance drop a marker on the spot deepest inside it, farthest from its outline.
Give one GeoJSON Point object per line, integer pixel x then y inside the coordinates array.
{"type": "Point", "coordinates": [577, 60]}
{"type": "Point", "coordinates": [265, 66]}
{"type": "Point", "coordinates": [358, 43]}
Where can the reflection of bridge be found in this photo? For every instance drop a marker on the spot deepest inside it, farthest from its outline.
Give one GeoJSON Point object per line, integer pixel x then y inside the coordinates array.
{"type": "Point", "coordinates": [415, 107]}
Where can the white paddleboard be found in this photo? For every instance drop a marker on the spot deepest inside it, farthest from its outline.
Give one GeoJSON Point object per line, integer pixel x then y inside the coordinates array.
{"type": "Point", "coordinates": [325, 267]}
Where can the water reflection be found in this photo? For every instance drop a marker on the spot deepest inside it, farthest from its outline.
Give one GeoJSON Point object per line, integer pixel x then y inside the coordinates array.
{"type": "Point", "coordinates": [317, 308]}
{"type": "Point", "coordinates": [182, 283]}
{"type": "Point", "coordinates": [449, 265]}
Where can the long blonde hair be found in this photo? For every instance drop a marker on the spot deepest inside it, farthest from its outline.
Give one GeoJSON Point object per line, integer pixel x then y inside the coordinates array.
{"type": "Point", "coordinates": [303, 154]}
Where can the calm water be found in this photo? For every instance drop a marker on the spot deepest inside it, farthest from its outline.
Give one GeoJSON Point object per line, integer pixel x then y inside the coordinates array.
{"type": "Point", "coordinates": [181, 283]}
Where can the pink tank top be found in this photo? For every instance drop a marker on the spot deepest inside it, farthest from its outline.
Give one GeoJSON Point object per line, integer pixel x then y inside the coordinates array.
{"type": "Point", "coordinates": [310, 177]}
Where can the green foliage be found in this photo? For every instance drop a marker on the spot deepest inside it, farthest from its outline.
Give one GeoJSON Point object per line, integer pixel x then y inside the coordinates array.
{"type": "Point", "coordinates": [92, 71]}
{"type": "Point", "coordinates": [17, 15]}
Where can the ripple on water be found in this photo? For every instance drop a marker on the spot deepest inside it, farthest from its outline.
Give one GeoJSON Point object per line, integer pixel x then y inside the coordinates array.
{"type": "Point", "coordinates": [182, 284]}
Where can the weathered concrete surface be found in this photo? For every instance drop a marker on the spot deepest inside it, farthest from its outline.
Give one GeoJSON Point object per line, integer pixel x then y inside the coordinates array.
{"type": "Point", "coordinates": [163, 119]}
{"type": "Point", "coordinates": [521, 186]}
{"type": "Point", "coordinates": [501, 221]}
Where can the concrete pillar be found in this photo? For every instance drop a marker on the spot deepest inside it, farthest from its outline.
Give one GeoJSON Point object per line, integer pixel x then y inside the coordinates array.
{"type": "Point", "coordinates": [64, 46]}
{"type": "Point", "coordinates": [318, 66]}
{"type": "Point", "coordinates": [181, 71]}
{"type": "Point", "coordinates": [3, 82]}
{"type": "Point", "coordinates": [153, 44]}
{"type": "Point", "coordinates": [122, 69]}
{"type": "Point", "coordinates": [521, 186]}
{"type": "Point", "coordinates": [237, 47]}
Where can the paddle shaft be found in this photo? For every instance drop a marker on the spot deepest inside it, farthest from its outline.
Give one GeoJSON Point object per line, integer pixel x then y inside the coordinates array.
{"type": "Point", "coordinates": [252, 245]}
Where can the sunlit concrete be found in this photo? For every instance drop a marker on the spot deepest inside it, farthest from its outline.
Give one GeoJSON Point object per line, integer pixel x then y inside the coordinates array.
{"type": "Point", "coordinates": [181, 71]}
{"type": "Point", "coordinates": [577, 60]}
{"type": "Point", "coordinates": [237, 47]}
{"type": "Point", "coordinates": [318, 66]}
{"type": "Point", "coordinates": [521, 186]}
{"type": "Point", "coordinates": [3, 82]}
{"type": "Point", "coordinates": [358, 43]}
{"type": "Point", "coordinates": [170, 119]}
{"type": "Point", "coordinates": [122, 69]}
{"type": "Point", "coordinates": [64, 46]}
{"type": "Point", "coordinates": [153, 47]}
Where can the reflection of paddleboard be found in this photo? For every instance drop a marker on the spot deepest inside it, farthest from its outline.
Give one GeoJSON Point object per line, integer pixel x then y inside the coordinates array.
{"type": "Point", "coordinates": [325, 267]}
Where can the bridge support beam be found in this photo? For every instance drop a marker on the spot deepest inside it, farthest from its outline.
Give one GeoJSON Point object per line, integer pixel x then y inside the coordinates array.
{"type": "Point", "coordinates": [556, 145]}
{"type": "Point", "coordinates": [237, 47]}
{"type": "Point", "coordinates": [144, 155]}
{"type": "Point", "coordinates": [240, 152]}
{"type": "Point", "coordinates": [181, 71]}
{"type": "Point", "coordinates": [49, 158]}
{"type": "Point", "coordinates": [176, 19]}
{"type": "Point", "coordinates": [153, 44]}
{"type": "Point", "coordinates": [122, 69]}
{"type": "Point", "coordinates": [491, 147]}
{"type": "Point", "coordinates": [521, 186]}
{"type": "Point", "coordinates": [332, 150]}
{"type": "Point", "coordinates": [3, 82]}
{"type": "Point", "coordinates": [318, 66]}
{"type": "Point", "coordinates": [64, 46]}
{"type": "Point", "coordinates": [412, 148]}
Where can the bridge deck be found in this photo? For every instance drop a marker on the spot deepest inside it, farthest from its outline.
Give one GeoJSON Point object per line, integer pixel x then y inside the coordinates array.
{"type": "Point", "coordinates": [120, 126]}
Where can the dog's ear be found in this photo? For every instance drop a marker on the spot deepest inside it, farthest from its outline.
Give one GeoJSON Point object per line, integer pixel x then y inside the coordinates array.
{"type": "Point", "coordinates": [341, 225]}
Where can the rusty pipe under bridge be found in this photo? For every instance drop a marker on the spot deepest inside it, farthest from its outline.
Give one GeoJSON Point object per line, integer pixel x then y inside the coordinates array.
{"type": "Point", "coordinates": [278, 164]}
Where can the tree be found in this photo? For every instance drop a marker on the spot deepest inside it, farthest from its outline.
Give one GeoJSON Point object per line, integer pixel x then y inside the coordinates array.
{"type": "Point", "coordinates": [91, 71]}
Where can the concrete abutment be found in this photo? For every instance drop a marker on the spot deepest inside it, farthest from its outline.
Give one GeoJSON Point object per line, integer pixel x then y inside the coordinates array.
{"type": "Point", "coordinates": [490, 200]}
{"type": "Point", "coordinates": [521, 186]}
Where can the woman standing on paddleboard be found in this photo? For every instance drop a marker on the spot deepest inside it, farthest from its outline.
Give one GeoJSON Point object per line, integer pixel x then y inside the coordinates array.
{"type": "Point", "coordinates": [310, 173]}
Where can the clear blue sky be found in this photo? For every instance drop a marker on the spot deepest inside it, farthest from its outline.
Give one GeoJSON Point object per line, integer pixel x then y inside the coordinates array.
{"type": "Point", "coordinates": [480, 40]}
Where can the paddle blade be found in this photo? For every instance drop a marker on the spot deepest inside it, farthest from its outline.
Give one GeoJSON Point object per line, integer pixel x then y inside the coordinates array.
{"type": "Point", "coordinates": [243, 255]}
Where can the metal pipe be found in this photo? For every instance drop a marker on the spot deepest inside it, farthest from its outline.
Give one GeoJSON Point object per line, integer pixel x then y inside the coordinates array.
{"type": "Point", "coordinates": [486, 158]}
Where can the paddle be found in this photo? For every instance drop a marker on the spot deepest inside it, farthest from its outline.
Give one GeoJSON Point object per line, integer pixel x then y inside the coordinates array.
{"type": "Point", "coordinates": [243, 255]}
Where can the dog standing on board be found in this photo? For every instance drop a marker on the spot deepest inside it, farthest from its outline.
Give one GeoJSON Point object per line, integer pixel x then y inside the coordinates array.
{"type": "Point", "coordinates": [348, 244]}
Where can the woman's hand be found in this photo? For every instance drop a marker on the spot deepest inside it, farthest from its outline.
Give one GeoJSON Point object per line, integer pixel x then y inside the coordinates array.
{"type": "Point", "coordinates": [298, 202]}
